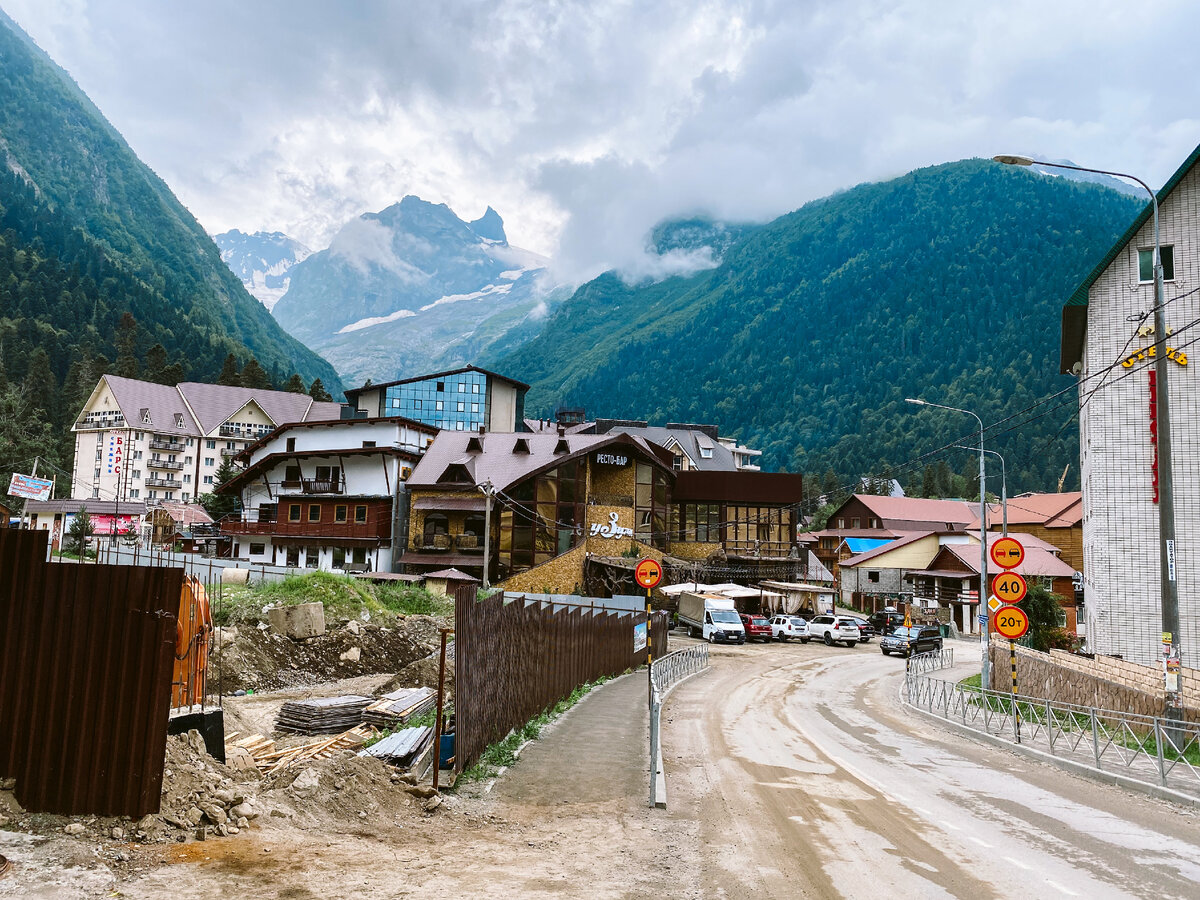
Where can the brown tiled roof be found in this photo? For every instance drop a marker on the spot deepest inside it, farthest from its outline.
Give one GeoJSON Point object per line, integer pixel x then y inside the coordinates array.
{"type": "Point", "coordinates": [919, 509]}
{"type": "Point", "coordinates": [187, 514]}
{"type": "Point", "coordinates": [450, 575]}
{"type": "Point", "coordinates": [499, 464]}
{"type": "Point", "coordinates": [1038, 561]}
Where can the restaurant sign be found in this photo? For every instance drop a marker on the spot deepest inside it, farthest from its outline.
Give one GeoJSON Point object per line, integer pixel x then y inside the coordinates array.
{"type": "Point", "coordinates": [612, 459]}
{"type": "Point", "coordinates": [612, 529]}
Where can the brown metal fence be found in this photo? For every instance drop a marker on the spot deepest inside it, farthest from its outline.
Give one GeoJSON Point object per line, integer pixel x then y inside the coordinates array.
{"type": "Point", "coordinates": [515, 660]}
{"type": "Point", "coordinates": [86, 654]}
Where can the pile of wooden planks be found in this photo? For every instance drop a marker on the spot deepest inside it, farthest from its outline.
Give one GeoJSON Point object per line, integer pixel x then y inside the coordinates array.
{"type": "Point", "coordinates": [403, 748]}
{"type": "Point", "coordinates": [270, 760]}
{"type": "Point", "coordinates": [399, 707]}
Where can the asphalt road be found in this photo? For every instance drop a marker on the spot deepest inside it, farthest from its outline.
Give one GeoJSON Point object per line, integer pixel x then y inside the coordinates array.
{"type": "Point", "coordinates": [808, 779]}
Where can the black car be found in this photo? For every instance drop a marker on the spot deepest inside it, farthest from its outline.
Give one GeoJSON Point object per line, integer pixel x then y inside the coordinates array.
{"type": "Point", "coordinates": [886, 620]}
{"type": "Point", "coordinates": [865, 628]}
{"type": "Point", "coordinates": [914, 639]}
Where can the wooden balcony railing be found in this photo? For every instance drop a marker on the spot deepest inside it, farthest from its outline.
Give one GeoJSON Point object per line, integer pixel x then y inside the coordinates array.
{"type": "Point", "coordinates": [360, 530]}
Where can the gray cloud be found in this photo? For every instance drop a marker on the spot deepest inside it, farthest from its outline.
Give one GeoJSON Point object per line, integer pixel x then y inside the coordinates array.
{"type": "Point", "coordinates": [584, 123]}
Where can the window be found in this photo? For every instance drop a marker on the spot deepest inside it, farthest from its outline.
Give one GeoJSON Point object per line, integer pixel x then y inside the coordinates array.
{"type": "Point", "coordinates": [441, 387]}
{"type": "Point", "coordinates": [474, 407]}
{"type": "Point", "coordinates": [312, 557]}
{"type": "Point", "coordinates": [360, 514]}
{"type": "Point", "coordinates": [187, 479]}
{"type": "Point", "coordinates": [209, 461]}
{"type": "Point", "coordinates": [291, 445]}
{"type": "Point", "coordinates": [294, 512]}
{"type": "Point", "coordinates": [1146, 264]}
{"type": "Point", "coordinates": [841, 523]}
{"type": "Point", "coordinates": [137, 473]}
{"type": "Point", "coordinates": [650, 505]}
{"type": "Point", "coordinates": [178, 420]}
{"type": "Point", "coordinates": [339, 557]}
{"type": "Point", "coordinates": [211, 445]}
{"type": "Point", "coordinates": [314, 512]}
{"type": "Point", "coordinates": [360, 555]}
{"type": "Point", "coordinates": [99, 454]}
{"type": "Point", "coordinates": [137, 454]}
{"type": "Point", "coordinates": [437, 405]}
{"type": "Point", "coordinates": [134, 493]}
{"type": "Point", "coordinates": [97, 473]}
{"type": "Point", "coordinates": [854, 523]}
{"type": "Point", "coordinates": [873, 577]}
{"type": "Point", "coordinates": [267, 512]}
{"type": "Point", "coordinates": [706, 452]}
{"type": "Point", "coordinates": [475, 388]}
{"type": "Point", "coordinates": [339, 513]}
{"type": "Point", "coordinates": [462, 407]}
{"type": "Point", "coordinates": [257, 549]}
{"type": "Point", "coordinates": [435, 524]}
{"type": "Point", "coordinates": [460, 426]}
{"type": "Point", "coordinates": [186, 496]}
{"type": "Point", "coordinates": [293, 557]}
{"type": "Point", "coordinates": [208, 479]}
{"type": "Point", "coordinates": [291, 474]}
{"type": "Point", "coordinates": [462, 387]}
{"type": "Point", "coordinates": [146, 417]}
{"type": "Point", "coordinates": [396, 403]}
{"type": "Point", "coordinates": [230, 445]}
{"type": "Point", "coordinates": [187, 460]}
{"type": "Point", "coordinates": [367, 444]}
{"type": "Point", "coordinates": [138, 435]}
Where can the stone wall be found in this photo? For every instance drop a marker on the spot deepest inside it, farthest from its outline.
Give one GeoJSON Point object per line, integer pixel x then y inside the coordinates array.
{"type": "Point", "coordinates": [1103, 682]}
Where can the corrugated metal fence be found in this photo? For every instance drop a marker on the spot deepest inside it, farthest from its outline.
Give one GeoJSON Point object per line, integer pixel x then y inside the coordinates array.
{"type": "Point", "coordinates": [86, 654]}
{"type": "Point", "coordinates": [516, 658]}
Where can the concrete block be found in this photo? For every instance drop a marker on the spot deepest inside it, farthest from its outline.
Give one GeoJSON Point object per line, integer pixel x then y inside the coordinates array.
{"type": "Point", "coordinates": [232, 575]}
{"type": "Point", "coordinates": [304, 620]}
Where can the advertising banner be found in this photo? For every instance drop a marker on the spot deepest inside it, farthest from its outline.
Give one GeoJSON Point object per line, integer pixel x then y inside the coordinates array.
{"type": "Point", "coordinates": [30, 487]}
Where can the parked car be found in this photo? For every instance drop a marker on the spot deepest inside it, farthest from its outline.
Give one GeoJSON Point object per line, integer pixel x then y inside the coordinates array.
{"type": "Point", "coordinates": [757, 628]}
{"type": "Point", "coordinates": [914, 639]}
{"type": "Point", "coordinates": [865, 628]}
{"type": "Point", "coordinates": [886, 620]}
{"type": "Point", "coordinates": [784, 627]}
{"type": "Point", "coordinates": [834, 630]}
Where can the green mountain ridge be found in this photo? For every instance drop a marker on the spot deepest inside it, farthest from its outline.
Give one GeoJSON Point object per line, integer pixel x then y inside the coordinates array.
{"type": "Point", "coordinates": [90, 235]}
{"type": "Point", "coordinates": [944, 284]}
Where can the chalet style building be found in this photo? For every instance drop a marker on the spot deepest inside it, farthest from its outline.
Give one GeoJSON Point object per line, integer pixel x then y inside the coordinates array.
{"type": "Point", "coordinates": [141, 441]}
{"type": "Point", "coordinates": [327, 495]}
{"type": "Point", "coordinates": [1107, 335]}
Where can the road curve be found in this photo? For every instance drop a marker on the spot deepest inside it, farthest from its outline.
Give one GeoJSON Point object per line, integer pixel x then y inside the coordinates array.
{"type": "Point", "coordinates": [808, 779]}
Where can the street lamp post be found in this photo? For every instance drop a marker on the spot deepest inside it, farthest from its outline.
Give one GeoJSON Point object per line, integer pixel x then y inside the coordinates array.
{"type": "Point", "coordinates": [1003, 485]}
{"type": "Point", "coordinates": [983, 551]}
{"type": "Point", "coordinates": [1168, 586]}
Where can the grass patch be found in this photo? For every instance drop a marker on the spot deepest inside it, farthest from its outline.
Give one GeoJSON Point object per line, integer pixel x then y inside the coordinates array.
{"type": "Point", "coordinates": [972, 682]}
{"type": "Point", "coordinates": [342, 596]}
{"type": "Point", "coordinates": [503, 753]}
{"type": "Point", "coordinates": [71, 554]}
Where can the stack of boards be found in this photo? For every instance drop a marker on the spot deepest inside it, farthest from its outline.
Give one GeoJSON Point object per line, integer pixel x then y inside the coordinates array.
{"type": "Point", "coordinates": [323, 715]}
{"type": "Point", "coordinates": [399, 707]}
{"type": "Point", "coordinates": [403, 748]}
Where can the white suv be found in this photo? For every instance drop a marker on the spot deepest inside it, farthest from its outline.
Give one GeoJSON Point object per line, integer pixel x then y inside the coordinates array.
{"type": "Point", "coordinates": [834, 629]}
{"type": "Point", "coordinates": [784, 627]}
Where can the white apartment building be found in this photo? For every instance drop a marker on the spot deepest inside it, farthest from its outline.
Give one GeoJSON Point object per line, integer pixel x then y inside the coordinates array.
{"type": "Point", "coordinates": [327, 495]}
{"type": "Point", "coordinates": [137, 440]}
{"type": "Point", "coordinates": [1107, 334]}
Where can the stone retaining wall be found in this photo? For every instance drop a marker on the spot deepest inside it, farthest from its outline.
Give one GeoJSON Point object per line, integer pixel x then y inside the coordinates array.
{"type": "Point", "coordinates": [1103, 682]}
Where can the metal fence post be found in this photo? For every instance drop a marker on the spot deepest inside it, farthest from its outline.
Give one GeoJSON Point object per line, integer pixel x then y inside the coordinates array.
{"type": "Point", "coordinates": [1158, 743]}
{"type": "Point", "coordinates": [1095, 738]}
{"type": "Point", "coordinates": [655, 708]}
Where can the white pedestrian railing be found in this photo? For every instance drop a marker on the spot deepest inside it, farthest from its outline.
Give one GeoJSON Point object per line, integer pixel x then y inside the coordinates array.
{"type": "Point", "coordinates": [665, 673]}
{"type": "Point", "coordinates": [1151, 750]}
{"type": "Point", "coordinates": [928, 662]}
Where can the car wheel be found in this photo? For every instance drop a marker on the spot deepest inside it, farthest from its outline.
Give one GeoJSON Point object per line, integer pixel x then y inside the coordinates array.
{"type": "Point", "coordinates": [885, 651]}
{"type": "Point", "coordinates": [850, 643]}
{"type": "Point", "coordinates": [712, 638]}
{"type": "Point", "coordinates": [805, 640]}
{"type": "Point", "coordinates": [782, 638]}
{"type": "Point", "coordinates": [828, 640]}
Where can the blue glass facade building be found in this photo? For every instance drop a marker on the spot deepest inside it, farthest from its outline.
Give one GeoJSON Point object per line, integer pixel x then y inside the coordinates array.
{"type": "Point", "coordinates": [455, 402]}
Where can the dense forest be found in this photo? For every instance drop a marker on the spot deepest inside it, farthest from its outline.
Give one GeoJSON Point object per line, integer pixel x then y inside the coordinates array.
{"type": "Point", "coordinates": [103, 270]}
{"type": "Point", "coordinates": [945, 284]}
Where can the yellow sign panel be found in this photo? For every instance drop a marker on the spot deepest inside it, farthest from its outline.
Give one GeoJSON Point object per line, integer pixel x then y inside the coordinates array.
{"type": "Point", "coordinates": [1009, 587]}
{"type": "Point", "coordinates": [1011, 622]}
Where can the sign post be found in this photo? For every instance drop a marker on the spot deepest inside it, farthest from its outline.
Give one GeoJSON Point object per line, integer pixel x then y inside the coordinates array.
{"type": "Point", "coordinates": [1012, 623]}
{"type": "Point", "coordinates": [648, 573]}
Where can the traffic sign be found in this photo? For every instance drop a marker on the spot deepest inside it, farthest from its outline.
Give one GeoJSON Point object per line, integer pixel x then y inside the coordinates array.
{"type": "Point", "coordinates": [1011, 622]}
{"type": "Point", "coordinates": [993, 604]}
{"type": "Point", "coordinates": [1007, 552]}
{"type": "Point", "coordinates": [982, 619]}
{"type": "Point", "coordinates": [1009, 587]}
{"type": "Point", "coordinates": [648, 573]}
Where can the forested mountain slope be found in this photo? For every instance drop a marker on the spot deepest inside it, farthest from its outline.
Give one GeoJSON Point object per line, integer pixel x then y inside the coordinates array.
{"type": "Point", "coordinates": [944, 284]}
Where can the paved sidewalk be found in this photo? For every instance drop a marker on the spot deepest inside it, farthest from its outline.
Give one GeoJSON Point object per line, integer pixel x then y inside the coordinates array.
{"type": "Point", "coordinates": [597, 752]}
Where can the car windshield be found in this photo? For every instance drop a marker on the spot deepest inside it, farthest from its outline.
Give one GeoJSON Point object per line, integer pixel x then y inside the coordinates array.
{"type": "Point", "coordinates": [725, 616]}
{"type": "Point", "coordinates": [903, 632]}
{"type": "Point", "coordinates": [757, 620]}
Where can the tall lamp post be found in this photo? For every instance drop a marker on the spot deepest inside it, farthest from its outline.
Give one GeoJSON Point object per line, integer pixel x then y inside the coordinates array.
{"type": "Point", "coordinates": [1168, 587]}
{"type": "Point", "coordinates": [1003, 485]}
{"type": "Point", "coordinates": [983, 550]}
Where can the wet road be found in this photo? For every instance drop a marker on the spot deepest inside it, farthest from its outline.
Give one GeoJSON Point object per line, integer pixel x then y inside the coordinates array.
{"type": "Point", "coordinates": [808, 779]}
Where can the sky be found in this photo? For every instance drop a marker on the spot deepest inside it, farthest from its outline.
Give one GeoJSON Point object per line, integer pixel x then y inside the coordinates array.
{"type": "Point", "coordinates": [585, 123]}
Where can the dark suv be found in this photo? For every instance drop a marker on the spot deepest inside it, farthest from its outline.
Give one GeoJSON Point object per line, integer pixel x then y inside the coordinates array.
{"type": "Point", "coordinates": [914, 639]}
{"type": "Point", "coordinates": [885, 620]}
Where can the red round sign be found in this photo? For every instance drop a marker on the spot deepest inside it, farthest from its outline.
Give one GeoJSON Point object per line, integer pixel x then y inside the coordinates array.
{"type": "Point", "coordinates": [648, 573]}
{"type": "Point", "coordinates": [1009, 587]}
{"type": "Point", "coordinates": [1010, 622]}
{"type": "Point", "coordinates": [1007, 552]}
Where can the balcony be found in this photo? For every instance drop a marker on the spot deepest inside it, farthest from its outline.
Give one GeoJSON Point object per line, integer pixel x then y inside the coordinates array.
{"type": "Point", "coordinates": [163, 464]}
{"type": "Point", "coordinates": [171, 446]}
{"type": "Point", "coordinates": [100, 422]}
{"type": "Point", "coordinates": [771, 549]}
{"type": "Point", "coordinates": [321, 486]}
{"type": "Point", "coordinates": [227, 452]}
{"type": "Point", "coordinates": [380, 530]}
{"type": "Point", "coordinates": [155, 481]}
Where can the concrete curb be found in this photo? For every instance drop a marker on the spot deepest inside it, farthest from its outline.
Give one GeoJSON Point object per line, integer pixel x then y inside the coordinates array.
{"type": "Point", "coordinates": [659, 774]}
{"type": "Point", "coordinates": [1156, 791]}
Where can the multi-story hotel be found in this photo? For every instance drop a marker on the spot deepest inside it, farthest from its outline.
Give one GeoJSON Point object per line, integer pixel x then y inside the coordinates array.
{"type": "Point", "coordinates": [465, 399]}
{"type": "Point", "coordinates": [1107, 341]}
{"type": "Point", "coordinates": [137, 440]}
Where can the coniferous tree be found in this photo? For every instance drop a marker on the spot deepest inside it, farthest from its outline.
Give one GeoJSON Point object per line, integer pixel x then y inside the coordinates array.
{"type": "Point", "coordinates": [127, 363]}
{"type": "Point", "coordinates": [317, 392]}
{"type": "Point", "coordinates": [220, 505]}
{"type": "Point", "coordinates": [81, 529]}
{"type": "Point", "coordinates": [254, 376]}
{"type": "Point", "coordinates": [156, 364]}
{"type": "Point", "coordinates": [295, 385]}
{"type": "Point", "coordinates": [230, 376]}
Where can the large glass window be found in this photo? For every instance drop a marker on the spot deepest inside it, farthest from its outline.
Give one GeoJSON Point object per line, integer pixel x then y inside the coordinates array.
{"type": "Point", "coordinates": [699, 522]}
{"type": "Point", "coordinates": [1146, 264]}
{"type": "Point", "coordinates": [651, 502]}
{"type": "Point", "coordinates": [758, 530]}
{"type": "Point", "coordinates": [543, 520]}
{"type": "Point", "coordinates": [424, 401]}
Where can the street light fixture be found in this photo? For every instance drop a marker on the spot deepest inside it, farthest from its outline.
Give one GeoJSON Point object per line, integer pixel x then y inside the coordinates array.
{"type": "Point", "coordinates": [1168, 587]}
{"type": "Point", "coordinates": [1003, 484]}
{"type": "Point", "coordinates": [983, 551]}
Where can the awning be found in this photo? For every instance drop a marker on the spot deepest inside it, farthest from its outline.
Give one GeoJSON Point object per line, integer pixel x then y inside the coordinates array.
{"type": "Point", "coordinates": [469, 503]}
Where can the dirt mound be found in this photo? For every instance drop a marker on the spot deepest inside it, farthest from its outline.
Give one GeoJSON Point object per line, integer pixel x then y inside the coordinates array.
{"type": "Point", "coordinates": [422, 673]}
{"type": "Point", "coordinates": [253, 658]}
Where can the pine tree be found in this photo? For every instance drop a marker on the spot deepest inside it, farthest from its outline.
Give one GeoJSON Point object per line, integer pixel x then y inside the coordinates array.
{"type": "Point", "coordinates": [255, 376]}
{"type": "Point", "coordinates": [81, 529]}
{"type": "Point", "coordinates": [295, 385]}
{"type": "Point", "coordinates": [230, 376]}
{"type": "Point", "coordinates": [156, 364]}
{"type": "Point", "coordinates": [317, 392]}
{"type": "Point", "coordinates": [220, 505]}
{"type": "Point", "coordinates": [127, 363]}
{"type": "Point", "coordinates": [929, 482]}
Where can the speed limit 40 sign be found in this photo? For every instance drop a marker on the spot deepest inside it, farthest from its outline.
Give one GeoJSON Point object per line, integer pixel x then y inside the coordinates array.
{"type": "Point", "coordinates": [1009, 587]}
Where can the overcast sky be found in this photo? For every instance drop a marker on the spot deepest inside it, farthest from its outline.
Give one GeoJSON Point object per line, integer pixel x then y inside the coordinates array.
{"type": "Point", "coordinates": [584, 123]}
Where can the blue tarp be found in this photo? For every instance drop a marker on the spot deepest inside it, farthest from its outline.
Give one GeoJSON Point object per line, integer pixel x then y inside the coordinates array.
{"type": "Point", "coordinates": [862, 545]}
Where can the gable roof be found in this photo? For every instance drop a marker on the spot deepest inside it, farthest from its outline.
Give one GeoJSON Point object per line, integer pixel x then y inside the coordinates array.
{"type": "Point", "coordinates": [214, 404]}
{"type": "Point", "coordinates": [886, 547]}
{"type": "Point", "coordinates": [691, 441]}
{"type": "Point", "coordinates": [1074, 314]}
{"type": "Point", "coordinates": [161, 402]}
{"type": "Point", "coordinates": [891, 510]}
{"type": "Point", "coordinates": [1048, 510]}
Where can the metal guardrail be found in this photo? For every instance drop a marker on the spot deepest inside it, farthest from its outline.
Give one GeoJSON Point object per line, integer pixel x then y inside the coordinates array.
{"type": "Point", "coordinates": [1150, 750]}
{"type": "Point", "coordinates": [931, 661]}
{"type": "Point", "coordinates": [665, 673]}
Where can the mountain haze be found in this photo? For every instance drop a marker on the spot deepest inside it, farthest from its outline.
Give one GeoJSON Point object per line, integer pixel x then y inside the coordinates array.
{"type": "Point", "coordinates": [412, 289]}
{"type": "Point", "coordinates": [945, 284]}
{"type": "Point", "coordinates": [96, 206]}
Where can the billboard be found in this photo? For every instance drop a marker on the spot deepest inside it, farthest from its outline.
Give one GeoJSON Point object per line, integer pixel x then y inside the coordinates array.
{"type": "Point", "coordinates": [30, 487]}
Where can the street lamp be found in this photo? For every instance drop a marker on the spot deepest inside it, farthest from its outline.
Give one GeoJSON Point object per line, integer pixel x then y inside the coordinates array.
{"type": "Point", "coordinates": [1003, 484]}
{"type": "Point", "coordinates": [983, 551]}
{"type": "Point", "coordinates": [1168, 587]}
